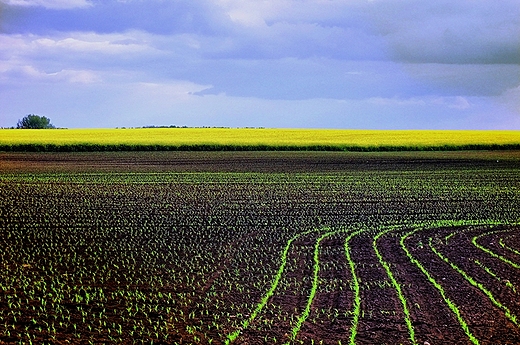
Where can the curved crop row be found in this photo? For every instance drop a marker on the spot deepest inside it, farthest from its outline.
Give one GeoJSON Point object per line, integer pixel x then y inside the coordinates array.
{"type": "Point", "coordinates": [396, 285]}
{"type": "Point", "coordinates": [316, 268]}
{"type": "Point", "coordinates": [283, 258]}
{"type": "Point", "coordinates": [512, 250]}
{"type": "Point", "coordinates": [476, 284]}
{"type": "Point", "coordinates": [454, 308]}
{"type": "Point", "coordinates": [451, 304]}
{"type": "Point", "coordinates": [303, 317]}
{"type": "Point", "coordinates": [214, 254]}
{"type": "Point", "coordinates": [355, 286]}
{"type": "Point", "coordinates": [386, 266]}
{"type": "Point", "coordinates": [490, 252]}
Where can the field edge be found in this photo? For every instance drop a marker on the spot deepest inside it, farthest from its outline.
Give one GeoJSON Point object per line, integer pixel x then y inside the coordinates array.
{"type": "Point", "coordinates": [253, 147]}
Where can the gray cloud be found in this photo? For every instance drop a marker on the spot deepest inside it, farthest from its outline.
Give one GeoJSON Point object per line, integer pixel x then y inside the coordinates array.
{"type": "Point", "coordinates": [468, 79]}
{"type": "Point", "coordinates": [440, 58]}
{"type": "Point", "coordinates": [161, 17]}
{"type": "Point", "coordinates": [455, 32]}
{"type": "Point", "coordinates": [460, 32]}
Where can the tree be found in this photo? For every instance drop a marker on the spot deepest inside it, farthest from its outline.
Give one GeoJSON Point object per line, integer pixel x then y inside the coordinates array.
{"type": "Point", "coordinates": [35, 122]}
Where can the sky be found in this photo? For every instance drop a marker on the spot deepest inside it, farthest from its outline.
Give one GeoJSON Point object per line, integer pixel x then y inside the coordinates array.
{"type": "Point", "coordinates": [353, 64]}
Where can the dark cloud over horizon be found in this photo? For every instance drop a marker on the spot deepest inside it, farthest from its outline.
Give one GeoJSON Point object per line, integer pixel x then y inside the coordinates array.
{"type": "Point", "coordinates": [391, 56]}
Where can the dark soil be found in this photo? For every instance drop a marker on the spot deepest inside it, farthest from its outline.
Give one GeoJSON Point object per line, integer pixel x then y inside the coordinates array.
{"type": "Point", "coordinates": [184, 258]}
{"type": "Point", "coordinates": [330, 320]}
{"type": "Point", "coordinates": [382, 320]}
{"type": "Point", "coordinates": [486, 321]}
{"type": "Point", "coordinates": [290, 298]}
{"type": "Point", "coordinates": [272, 161]}
{"type": "Point", "coordinates": [431, 318]}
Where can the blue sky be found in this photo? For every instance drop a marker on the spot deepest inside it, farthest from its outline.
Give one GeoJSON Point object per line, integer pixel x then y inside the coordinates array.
{"type": "Point", "coordinates": [375, 64]}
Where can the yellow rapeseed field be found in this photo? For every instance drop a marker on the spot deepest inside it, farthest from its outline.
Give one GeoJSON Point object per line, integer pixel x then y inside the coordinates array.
{"type": "Point", "coordinates": [256, 137]}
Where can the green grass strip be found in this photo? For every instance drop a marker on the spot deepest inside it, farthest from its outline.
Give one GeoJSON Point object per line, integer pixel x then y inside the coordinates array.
{"type": "Point", "coordinates": [396, 285]}
{"type": "Point", "coordinates": [450, 304]}
{"type": "Point", "coordinates": [476, 284]}
{"type": "Point", "coordinates": [357, 299]}
{"type": "Point", "coordinates": [316, 269]}
{"type": "Point", "coordinates": [493, 254]}
{"type": "Point", "coordinates": [232, 336]}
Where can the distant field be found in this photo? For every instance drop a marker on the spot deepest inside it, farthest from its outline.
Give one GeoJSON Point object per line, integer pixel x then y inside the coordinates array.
{"type": "Point", "coordinates": [253, 139]}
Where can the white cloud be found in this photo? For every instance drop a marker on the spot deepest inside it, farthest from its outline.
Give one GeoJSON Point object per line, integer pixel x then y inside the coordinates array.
{"type": "Point", "coordinates": [53, 4]}
{"type": "Point", "coordinates": [73, 57]}
{"type": "Point", "coordinates": [246, 18]}
{"type": "Point", "coordinates": [165, 92]}
{"type": "Point", "coordinates": [92, 43]}
{"type": "Point", "coordinates": [250, 13]}
{"type": "Point", "coordinates": [75, 42]}
{"type": "Point", "coordinates": [457, 102]}
{"type": "Point", "coordinates": [81, 76]}
{"type": "Point", "coordinates": [255, 13]}
{"type": "Point", "coordinates": [27, 74]}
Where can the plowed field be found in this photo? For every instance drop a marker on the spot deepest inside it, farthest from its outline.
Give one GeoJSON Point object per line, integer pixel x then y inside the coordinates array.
{"type": "Point", "coordinates": [260, 248]}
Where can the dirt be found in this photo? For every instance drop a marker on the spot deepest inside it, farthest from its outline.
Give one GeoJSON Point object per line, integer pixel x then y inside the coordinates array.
{"type": "Point", "coordinates": [275, 161]}
{"type": "Point", "coordinates": [431, 318]}
{"type": "Point", "coordinates": [487, 322]}
{"type": "Point", "coordinates": [330, 311]}
{"type": "Point", "coordinates": [372, 189]}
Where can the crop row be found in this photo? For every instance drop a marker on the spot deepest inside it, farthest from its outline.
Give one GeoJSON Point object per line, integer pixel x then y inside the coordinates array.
{"type": "Point", "coordinates": [241, 257]}
{"type": "Point", "coordinates": [354, 314]}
